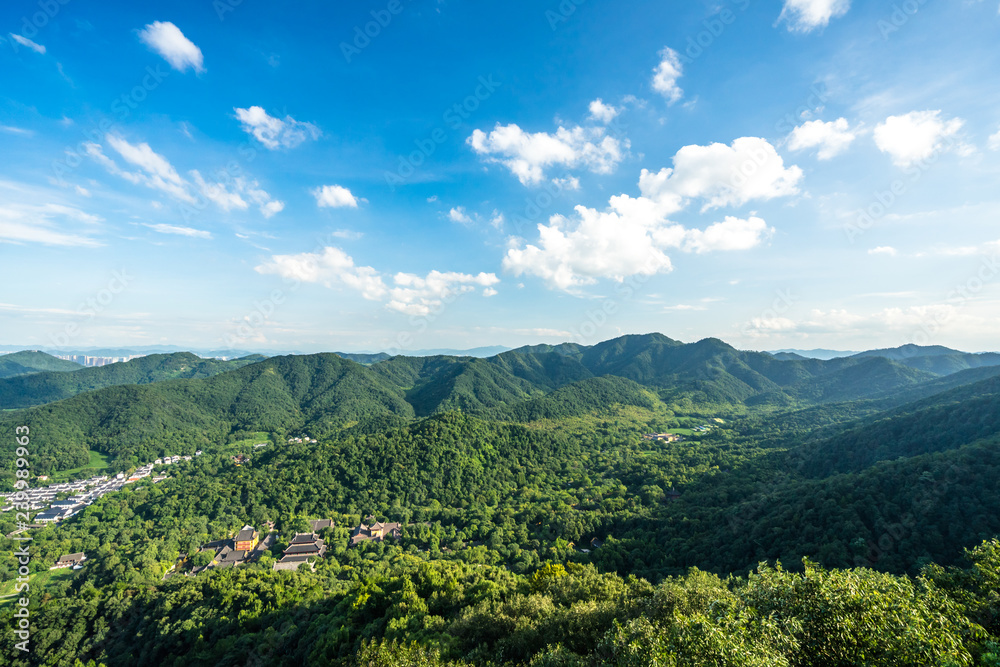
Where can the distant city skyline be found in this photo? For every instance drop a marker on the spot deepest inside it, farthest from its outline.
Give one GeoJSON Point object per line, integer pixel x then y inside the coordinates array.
{"type": "Point", "coordinates": [398, 176]}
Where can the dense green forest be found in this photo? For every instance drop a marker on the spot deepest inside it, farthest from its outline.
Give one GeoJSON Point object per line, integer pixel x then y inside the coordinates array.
{"type": "Point", "coordinates": [808, 516]}
{"type": "Point", "coordinates": [28, 362]}
{"type": "Point", "coordinates": [46, 387]}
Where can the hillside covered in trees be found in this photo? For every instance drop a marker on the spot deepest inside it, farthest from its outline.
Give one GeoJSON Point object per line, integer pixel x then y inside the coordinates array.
{"type": "Point", "coordinates": [811, 513]}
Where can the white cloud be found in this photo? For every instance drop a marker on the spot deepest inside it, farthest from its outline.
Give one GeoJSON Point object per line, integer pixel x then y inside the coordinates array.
{"type": "Point", "coordinates": [527, 155]}
{"type": "Point", "coordinates": [273, 132]}
{"type": "Point", "coordinates": [994, 142]}
{"type": "Point", "coordinates": [567, 183]}
{"type": "Point", "coordinates": [731, 234]}
{"type": "Point", "coordinates": [666, 74]}
{"type": "Point", "coordinates": [43, 224]}
{"type": "Point", "coordinates": [24, 41]}
{"type": "Point", "coordinates": [156, 172]}
{"type": "Point", "coordinates": [271, 208]}
{"type": "Point", "coordinates": [601, 112]}
{"type": "Point", "coordinates": [10, 129]}
{"type": "Point", "coordinates": [831, 138]}
{"type": "Point", "coordinates": [489, 291]}
{"type": "Point", "coordinates": [609, 244]}
{"type": "Point", "coordinates": [167, 40]}
{"type": "Point", "coordinates": [883, 250]}
{"type": "Point", "coordinates": [418, 296]}
{"type": "Point", "coordinates": [807, 15]}
{"type": "Point", "coordinates": [346, 234]}
{"type": "Point", "coordinates": [334, 196]}
{"type": "Point", "coordinates": [410, 293]}
{"type": "Point", "coordinates": [179, 231]}
{"type": "Point", "coordinates": [916, 136]}
{"type": "Point", "coordinates": [330, 267]}
{"type": "Point", "coordinates": [458, 214]}
{"type": "Point", "coordinates": [723, 175]}
{"type": "Point", "coordinates": [220, 194]}
{"type": "Point", "coordinates": [83, 192]}
{"type": "Point", "coordinates": [631, 236]}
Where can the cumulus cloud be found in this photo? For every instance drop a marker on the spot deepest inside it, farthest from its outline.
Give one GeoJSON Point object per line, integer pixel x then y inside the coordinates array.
{"type": "Point", "coordinates": [603, 113]}
{"type": "Point", "coordinates": [631, 236]}
{"type": "Point", "coordinates": [722, 175]}
{"type": "Point", "coordinates": [418, 296]}
{"type": "Point", "coordinates": [330, 267]}
{"type": "Point", "coordinates": [156, 172]}
{"type": "Point", "coordinates": [731, 234]}
{"type": "Point", "coordinates": [167, 40]}
{"type": "Point", "coordinates": [275, 133]}
{"type": "Point", "coordinates": [24, 41]}
{"type": "Point", "coordinates": [527, 155]}
{"type": "Point", "coordinates": [994, 142]}
{"type": "Point", "coordinates": [808, 15]}
{"type": "Point", "coordinates": [598, 244]}
{"type": "Point", "coordinates": [334, 196]}
{"type": "Point", "coordinates": [458, 214]}
{"type": "Point", "coordinates": [666, 74]}
{"type": "Point", "coordinates": [832, 138]}
{"type": "Point", "coordinates": [916, 136]}
{"type": "Point", "coordinates": [180, 231]}
{"type": "Point", "coordinates": [409, 293]}
{"type": "Point", "coordinates": [883, 250]}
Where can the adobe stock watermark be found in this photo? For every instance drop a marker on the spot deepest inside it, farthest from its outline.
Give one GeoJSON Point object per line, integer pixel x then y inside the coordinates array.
{"type": "Point", "coordinates": [773, 318]}
{"type": "Point", "coordinates": [713, 29]}
{"type": "Point", "coordinates": [814, 101]}
{"type": "Point", "coordinates": [900, 16]}
{"type": "Point", "coordinates": [223, 7]}
{"type": "Point", "coordinates": [957, 298]}
{"type": "Point", "coordinates": [21, 503]}
{"type": "Point", "coordinates": [562, 13]}
{"type": "Point", "coordinates": [595, 319]}
{"type": "Point", "coordinates": [364, 35]}
{"type": "Point", "coordinates": [883, 200]}
{"type": "Point", "coordinates": [537, 205]}
{"type": "Point", "coordinates": [120, 109]}
{"type": "Point", "coordinates": [94, 305]}
{"type": "Point", "coordinates": [453, 118]}
{"type": "Point", "coordinates": [30, 25]}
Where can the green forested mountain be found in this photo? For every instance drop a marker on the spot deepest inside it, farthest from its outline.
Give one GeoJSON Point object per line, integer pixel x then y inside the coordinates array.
{"type": "Point", "coordinates": [134, 419]}
{"type": "Point", "coordinates": [935, 358]}
{"type": "Point", "coordinates": [814, 513]}
{"type": "Point", "coordinates": [47, 387]}
{"type": "Point", "coordinates": [29, 361]}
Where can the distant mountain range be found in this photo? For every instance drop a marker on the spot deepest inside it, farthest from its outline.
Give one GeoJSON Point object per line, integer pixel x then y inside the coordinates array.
{"type": "Point", "coordinates": [135, 408]}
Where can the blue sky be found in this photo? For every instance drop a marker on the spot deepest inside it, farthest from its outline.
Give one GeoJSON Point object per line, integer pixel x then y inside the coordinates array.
{"type": "Point", "coordinates": [813, 173]}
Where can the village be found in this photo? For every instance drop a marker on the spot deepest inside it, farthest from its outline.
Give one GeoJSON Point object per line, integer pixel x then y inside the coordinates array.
{"type": "Point", "coordinates": [247, 546]}
{"type": "Point", "coordinates": [79, 494]}
{"type": "Point", "coordinates": [671, 436]}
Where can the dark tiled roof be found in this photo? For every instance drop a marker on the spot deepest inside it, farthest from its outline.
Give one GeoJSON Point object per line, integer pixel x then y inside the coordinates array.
{"type": "Point", "coordinates": [311, 548]}
{"type": "Point", "coordinates": [304, 538]}
{"type": "Point", "coordinates": [246, 535]}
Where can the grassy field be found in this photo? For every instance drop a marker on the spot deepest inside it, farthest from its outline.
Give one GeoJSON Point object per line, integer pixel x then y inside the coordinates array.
{"type": "Point", "coordinates": [98, 462]}
{"type": "Point", "coordinates": [250, 442]}
{"type": "Point", "coordinates": [36, 582]}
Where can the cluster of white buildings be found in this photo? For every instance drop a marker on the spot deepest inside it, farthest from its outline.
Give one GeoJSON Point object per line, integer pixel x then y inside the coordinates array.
{"type": "Point", "coordinates": [42, 499]}
{"type": "Point", "coordinates": [299, 441]}
{"type": "Point", "coordinates": [82, 493]}
{"type": "Point", "coordinates": [85, 360]}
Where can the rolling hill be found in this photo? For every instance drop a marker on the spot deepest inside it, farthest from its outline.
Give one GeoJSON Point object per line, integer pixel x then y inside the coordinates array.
{"type": "Point", "coordinates": [30, 361]}
{"type": "Point", "coordinates": [46, 387]}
